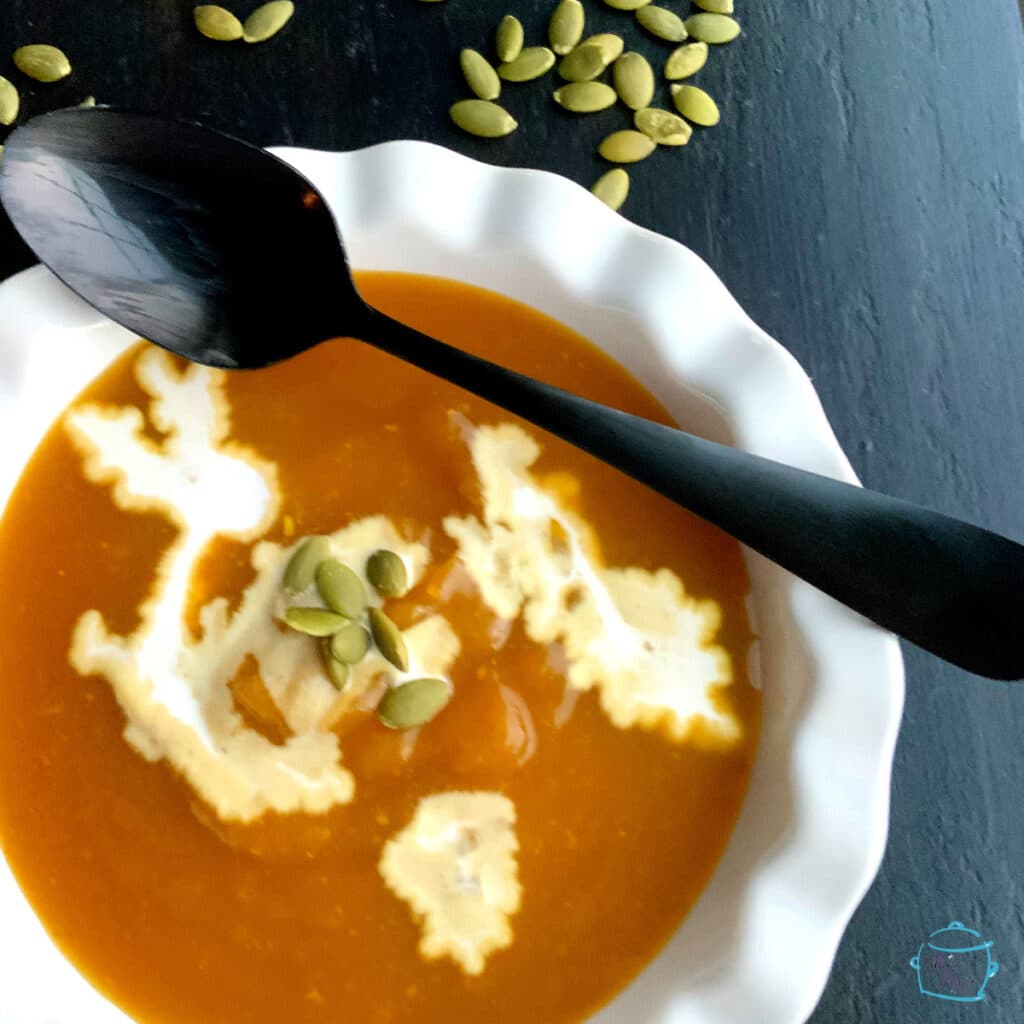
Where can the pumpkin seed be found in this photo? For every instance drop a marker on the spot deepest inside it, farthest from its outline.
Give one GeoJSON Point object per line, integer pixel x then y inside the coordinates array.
{"type": "Point", "coordinates": [626, 147]}
{"type": "Point", "coordinates": [627, 5]}
{"type": "Point", "coordinates": [88, 103]}
{"type": "Point", "coordinates": [337, 671]}
{"type": "Point", "coordinates": [388, 638]}
{"type": "Point", "coordinates": [585, 97]}
{"type": "Point", "coordinates": [610, 44]}
{"type": "Point", "coordinates": [666, 128]}
{"type": "Point", "coordinates": [1, 153]}
{"type": "Point", "coordinates": [386, 571]}
{"type": "Point", "coordinates": [10, 101]}
{"type": "Point", "coordinates": [612, 187]}
{"type": "Point", "coordinates": [301, 567]}
{"type": "Point", "coordinates": [483, 118]}
{"type": "Point", "coordinates": [479, 75]}
{"type": "Point", "coordinates": [686, 60]}
{"type": "Point", "coordinates": [634, 80]}
{"type": "Point", "coordinates": [583, 64]}
{"type": "Point", "coordinates": [712, 28]}
{"type": "Point", "coordinates": [509, 39]}
{"type": "Point", "coordinates": [566, 26]}
{"type": "Point", "coordinates": [42, 62]}
{"type": "Point", "coordinates": [696, 105]}
{"type": "Point", "coordinates": [342, 590]}
{"type": "Point", "coordinates": [531, 63]}
{"type": "Point", "coordinates": [413, 703]}
{"type": "Point", "coordinates": [314, 621]}
{"type": "Point", "coordinates": [217, 23]}
{"type": "Point", "coordinates": [715, 6]}
{"type": "Point", "coordinates": [663, 23]}
{"type": "Point", "coordinates": [349, 644]}
{"type": "Point", "coordinates": [267, 21]}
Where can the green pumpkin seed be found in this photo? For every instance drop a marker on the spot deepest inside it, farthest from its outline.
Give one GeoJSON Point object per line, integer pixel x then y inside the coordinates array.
{"type": "Point", "coordinates": [611, 45]}
{"type": "Point", "coordinates": [42, 62]}
{"type": "Point", "coordinates": [626, 147]}
{"type": "Point", "coordinates": [686, 60]}
{"type": "Point", "coordinates": [664, 127]}
{"type": "Point", "coordinates": [566, 26]}
{"type": "Point", "coordinates": [301, 568]}
{"type": "Point", "coordinates": [88, 103]}
{"type": "Point", "coordinates": [715, 6]}
{"type": "Point", "coordinates": [10, 101]}
{"type": "Point", "coordinates": [627, 5]}
{"type": "Point", "coordinates": [349, 644]}
{"type": "Point", "coordinates": [414, 703]}
{"type": "Point", "coordinates": [482, 118]}
{"type": "Point", "coordinates": [663, 23]}
{"type": "Point", "coordinates": [696, 105]}
{"type": "Point", "coordinates": [634, 80]}
{"type": "Point", "coordinates": [217, 23]}
{"type": "Point", "coordinates": [585, 97]}
{"type": "Point", "coordinates": [337, 671]}
{"type": "Point", "coordinates": [1, 153]}
{"type": "Point", "coordinates": [612, 187]}
{"type": "Point", "coordinates": [712, 28]}
{"type": "Point", "coordinates": [479, 75]}
{"type": "Point", "coordinates": [267, 21]}
{"type": "Point", "coordinates": [583, 64]}
{"type": "Point", "coordinates": [387, 572]}
{"type": "Point", "coordinates": [342, 590]}
{"type": "Point", "coordinates": [531, 63]}
{"type": "Point", "coordinates": [509, 39]}
{"type": "Point", "coordinates": [314, 621]}
{"type": "Point", "coordinates": [388, 638]}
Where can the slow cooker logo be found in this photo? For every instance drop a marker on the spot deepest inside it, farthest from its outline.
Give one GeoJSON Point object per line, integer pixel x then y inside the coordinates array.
{"type": "Point", "coordinates": [954, 963]}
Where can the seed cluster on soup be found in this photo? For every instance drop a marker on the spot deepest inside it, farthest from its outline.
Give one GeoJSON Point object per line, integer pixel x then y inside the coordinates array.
{"type": "Point", "coordinates": [360, 686]}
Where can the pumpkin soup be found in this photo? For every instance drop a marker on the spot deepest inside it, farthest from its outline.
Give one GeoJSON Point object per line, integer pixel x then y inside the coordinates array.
{"type": "Point", "coordinates": [334, 692]}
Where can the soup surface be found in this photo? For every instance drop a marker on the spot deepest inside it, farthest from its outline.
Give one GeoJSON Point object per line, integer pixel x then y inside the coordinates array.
{"type": "Point", "coordinates": [178, 911]}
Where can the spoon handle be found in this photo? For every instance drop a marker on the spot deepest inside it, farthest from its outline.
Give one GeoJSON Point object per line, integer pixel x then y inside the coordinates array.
{"type": "Point", "coordinates": [952, 588]}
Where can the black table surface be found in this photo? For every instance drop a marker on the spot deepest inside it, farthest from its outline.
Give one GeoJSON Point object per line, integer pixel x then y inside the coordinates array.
{"type": "Point", "coordinates": [863, 198]}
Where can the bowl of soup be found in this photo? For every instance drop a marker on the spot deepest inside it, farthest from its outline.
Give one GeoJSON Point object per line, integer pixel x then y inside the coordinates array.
{"type": "Point", "coordinates": [334, 692]}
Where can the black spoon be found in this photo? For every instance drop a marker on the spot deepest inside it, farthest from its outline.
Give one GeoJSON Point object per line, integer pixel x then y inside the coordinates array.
{"type": "Point", "coordinates": [225, 255]}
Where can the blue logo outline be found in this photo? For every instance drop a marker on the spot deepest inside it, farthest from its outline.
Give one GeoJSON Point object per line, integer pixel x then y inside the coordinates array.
{"type": "Point", "coordinates": [991, 969]}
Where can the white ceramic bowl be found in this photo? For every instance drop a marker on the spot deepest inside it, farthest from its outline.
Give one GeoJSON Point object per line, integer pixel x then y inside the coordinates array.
{"type": "Point", "coordinates": [758, 946]}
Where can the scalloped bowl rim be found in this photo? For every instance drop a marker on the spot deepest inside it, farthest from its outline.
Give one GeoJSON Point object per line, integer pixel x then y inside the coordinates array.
{"type": "Point", "coordinates": [759, 944]}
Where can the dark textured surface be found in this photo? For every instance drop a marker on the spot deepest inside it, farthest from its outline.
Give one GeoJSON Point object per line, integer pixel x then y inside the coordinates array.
{"type": "Point", "coordinates": [864, 200]}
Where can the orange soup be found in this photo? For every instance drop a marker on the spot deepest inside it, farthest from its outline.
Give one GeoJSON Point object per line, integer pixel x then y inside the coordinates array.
{"type": "Point", "coordinates": [270, 847]}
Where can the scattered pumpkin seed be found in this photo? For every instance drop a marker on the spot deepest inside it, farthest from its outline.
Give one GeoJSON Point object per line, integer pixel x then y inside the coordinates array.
{"type": "Point", "coordinates": [712, 28]}
{"type": "Point", "coordinates": [482, 118]}
{"type": "Point", "coordinates": [509, 39]}
{"type": "Point", "coordinates": [634, 80]}
{"type": "Point", "coordinates": [610, 44]}
{"type": "Point", "coordinates": [1, 153]}
{"type": "Point", "coordinates": [583, 64]}
{"type": "Point", "coordinates": [531, 63]}
{"type": "Point", "coordinates": [88, 103]}
{"type": "Point", "coordinates": [686, 60]}
{"type": "Point", "coordinates": [695, 105]}
{"type": "Point", "coordinates": [301, 568]}
{"type": "Point", "coordinates": [314, 621]}
{"type": "Point", "coordinates": [349, 644]}
{"type": "Point", "coordinates": [715, 6]}
{"type": "Point", "coordinates": [267, 21]}
{"type": "Point", "coordinates": [388, 638]}
{"type": "Point", "coordinates": [479, 75]}
{"type": "Point", "coordinates": [10, 101]}
{"type": "Point", "coordinates": [585, 97]}
{"type": "Point", "coordinates": [414, 703]}
{"type": "Point", "coordinates": [612, 187]}
{"type": "Point", "coordinates": [387, 572]}
{"type": "Point", "coordinates": [566, 26]}
{"type": "Point", "coordinates": [662, 22]}
{"type": "Point", "coordinates": [42, 62]}
{"type": "Point", "coordinates": [337, 671]}
{"type": "Point", "coordinates": [627, 5]}
{"type": "Point", "coordinates": [664, 127]}
{"type": "Point", "coordinates": [626, 147]}
{"type": "Point", "coordinates": [217, 23]}
{"type": "Point", "coordinates": [342, 590]}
